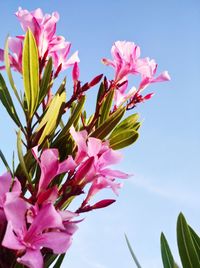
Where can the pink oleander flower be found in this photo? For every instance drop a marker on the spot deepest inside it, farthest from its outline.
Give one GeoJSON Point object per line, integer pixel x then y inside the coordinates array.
{"type": "Point", "coordinates": [50, 168]}
{"type": "Point", "coordinates": [46, 230]}
{"type": "Point", "coordinates": [99, 156]}
{"type": "Point", "coordinates": [7, 185]}
{"type": "Point", "coordinates": [49, 44]}
{"type": "Point", "coordinates": [126, 60]}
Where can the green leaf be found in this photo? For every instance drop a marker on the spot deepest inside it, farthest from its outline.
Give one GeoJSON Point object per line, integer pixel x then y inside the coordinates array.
{"type": "Point", "coordinates": [8, 70]}
{"type": "Point", "coordinates": [187, 250]}
{"type": "Point", "coordinates": [74, 116]}
{"type": "Point", "coordinates": [8, 103]}
{"type": "Point", "coordinates": [46, 80]}
{"type": "Point", "coordinates": [49, 260]}
{"type": "Point", "coordinates": [5, 162]}
{"type": "Point", "coordinates": [106, 106]}
{"type": "Point", "coordinates": [167, 258]}
{"type": "Point", "coordinates": [196, 240]}
{"type": "Point", "coordinates": [123, 139]}
{"type": "Point", "coordinates": [21, 157]}
{"type": "Point", "coordinates": [30, 70]}
{"type": "Point", "coordinates": [105, 128]}
{"type": "Point", "coordinates": [132, 253]}
{"type": "Point", "coordinates": [128, 123]}
{"type": "Point", "coordinates": [52, 116]}
{"type": "Point", "coordinates": [59, 261]}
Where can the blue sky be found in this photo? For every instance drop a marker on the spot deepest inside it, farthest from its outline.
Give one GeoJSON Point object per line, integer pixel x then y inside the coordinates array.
{"type": "Point", "coordinates": [165, 160]}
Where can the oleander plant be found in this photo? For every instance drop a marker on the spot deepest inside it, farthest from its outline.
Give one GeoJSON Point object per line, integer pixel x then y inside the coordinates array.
{"type": "Point", "coordinates": [63, 151]}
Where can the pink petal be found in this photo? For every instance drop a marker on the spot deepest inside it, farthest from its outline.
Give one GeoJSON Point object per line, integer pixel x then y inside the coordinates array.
{"type": "Point", "coordinates": [10, 240]}
{"type": "Point", "coordinates": [32, 259]}
{"type": "Point", "coordinates": [15, 209]}
{"type": "Point", "coordinates": [94, 146]}
{"type": "Point", "coordinates": [114, 173]}
{"type": "Point", "coordinates": [47, 217]}
{"type": "Point", "coordinates": [5, 183]}
{"type": "Point", "coordinates": [67, 165]}
{"type": "Point", "coordinates": [59, 242]}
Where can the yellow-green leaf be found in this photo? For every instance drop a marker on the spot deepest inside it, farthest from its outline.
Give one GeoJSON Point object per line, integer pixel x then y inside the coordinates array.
{"type": "Point", "coordinates": [30, 70]}
{"type": "Point", "coordinates": [52, 116]}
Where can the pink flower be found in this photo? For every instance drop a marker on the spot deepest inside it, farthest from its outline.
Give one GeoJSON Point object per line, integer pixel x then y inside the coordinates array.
{"type": "Point", "coordinates": [6, 183]}
{"type": "Point", "coordinates": [126, 60]}
{"type": "Point", "coordinates": [50, 168]}
{"type": "Point", "coordinates": [98, 172]}
{"type": "Point", "coordinates": [49, 44]}
{"type": "Point", "coordinates": [125, 57]}
{"type": "Point", "coordinates": [46, 230]}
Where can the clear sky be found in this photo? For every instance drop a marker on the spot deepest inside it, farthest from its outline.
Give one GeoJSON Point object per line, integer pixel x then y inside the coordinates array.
{"type": "Point", "coordinates": [165, 160]}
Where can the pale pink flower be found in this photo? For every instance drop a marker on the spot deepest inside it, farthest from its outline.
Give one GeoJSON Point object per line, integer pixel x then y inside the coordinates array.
{"type": "Point", "coordinates": [46, 230]}
{"type": "Point", "coordinates": [125, 56]}
{"type": "Point", "coordinates": [126, 60]}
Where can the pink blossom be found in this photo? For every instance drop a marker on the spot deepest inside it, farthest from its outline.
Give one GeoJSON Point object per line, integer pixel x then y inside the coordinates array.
{"type": "Point", "coordinates": [6, 184]}
{"type": "Point", "coordinates": [50, 168]}
{"type": "Point", "coordinates": [125, 58]}
{"type": "Point", "coordinates": [102, 156]}
{"type": "Point", "coordinates": [49, 44]}
{"type": "Point", "coordinates": [46, 230]}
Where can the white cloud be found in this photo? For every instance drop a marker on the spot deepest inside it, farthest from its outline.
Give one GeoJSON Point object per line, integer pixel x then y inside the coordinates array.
{"type": "Point", "coordinates": [174, 192]}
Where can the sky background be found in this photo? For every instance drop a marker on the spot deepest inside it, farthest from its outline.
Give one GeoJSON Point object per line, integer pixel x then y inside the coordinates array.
{"type": "Point", "coordinates": [165, 160]}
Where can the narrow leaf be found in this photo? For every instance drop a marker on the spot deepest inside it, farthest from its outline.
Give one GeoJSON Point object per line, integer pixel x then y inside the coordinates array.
{"type": "Point", "coordinates": [187, 250]}
{"type": "Point", "coordinates": [123, 139]}
{"type": "Point", "coordinates": [128, 123]}
{"type": "Point", "coordinates": [52, 117]}
{"type": "Point", "coordinates": [59, 261]}
{"type": "Point", "coordinates": [8, 103]}
{"type": "Point", "coordinates": [132, 253]}
{"type": "Point", "coordinates": [21, 157]}
{"type": "Point", "coordinates": [74, 116]}
{"type": "Point", "coordinates": [106, 106]}
{"type": "Point", "coordinates": [196, 240]}
{"type": "Point", "coordinates": [30, 70]}
{"type": "Point", "coordinates": [167, 258]}
{"type": "Point", "coordinates": [104, 129]}
{"type": "Point", "coordinates": [46, 79]}
{"type": "Point", "coordinates": [5, 162]}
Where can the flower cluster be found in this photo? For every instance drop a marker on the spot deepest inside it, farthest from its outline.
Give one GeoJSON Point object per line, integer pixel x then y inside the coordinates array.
{"type": "Point", "coordinates": [64, 158]}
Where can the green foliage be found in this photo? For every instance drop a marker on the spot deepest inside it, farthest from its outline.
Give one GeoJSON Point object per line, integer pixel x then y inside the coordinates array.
{"type": "Point", "coordinates": [132, 253]}
{"type": "Point", "coordinates": [106, 107]}
{"type": "Point", "coordinates": [21, 157]}
{"type": "Point", "coordinates": [189, 254]}
{"type": "Point", "coordinates": [46, 80]}
{"type": "Point", "coordinates": [167, 258]}
{"type": "Point", "coordinates": [107, 126]}
{"type": "Point", "coordinates": [52, 117]}
{"type": "Point", "coordinates": [8, 103]}
{"type": "Point", "coordinates": [30, 70]}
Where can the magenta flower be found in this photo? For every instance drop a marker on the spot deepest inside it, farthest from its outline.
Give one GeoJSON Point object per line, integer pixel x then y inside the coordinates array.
{"type": "Point", "coordinates": [6, 183]}
{"type": "Point", "coordinates": [46, 230]}
{"type": "Point", "coordinates": [50, 168]}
